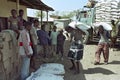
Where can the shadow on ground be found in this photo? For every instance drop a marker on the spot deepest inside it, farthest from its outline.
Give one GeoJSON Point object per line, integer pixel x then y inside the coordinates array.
{"type": "Point", "coordinates": [115, 62]}
{"type": "Point", "coordinates": [98, 70]}
{"type": "Point", "coordinates": [92, 43]}
{"type": "Point", "coordinates": [69, 75]}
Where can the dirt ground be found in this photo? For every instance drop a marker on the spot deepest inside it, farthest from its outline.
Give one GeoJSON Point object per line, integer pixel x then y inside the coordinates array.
{"type": "Point", "coordinates": [88, 71]}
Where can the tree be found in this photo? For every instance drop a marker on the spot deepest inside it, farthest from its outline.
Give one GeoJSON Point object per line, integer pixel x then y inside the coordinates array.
{"type": "Point", "coordinates": [67, 14]}
{"type": "Point", "coordinates": [63, 14]}
{"type": "Point", "coordinates": [77, 14]}
{"type": "Point", "coordinates": [38, 14]}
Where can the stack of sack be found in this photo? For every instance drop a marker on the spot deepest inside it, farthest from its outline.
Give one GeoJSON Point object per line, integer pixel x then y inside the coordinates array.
{"type": "Point", "coordinates": [114, 9]}
{"type": "Point", "coordinates": [50, 71]}
{"type": "Point", "coordinates": [9, 58]}
{"type": "Point", "coordinates": [107, 10]}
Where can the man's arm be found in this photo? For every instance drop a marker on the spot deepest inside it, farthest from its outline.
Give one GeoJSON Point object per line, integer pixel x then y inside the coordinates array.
{"type": "Point", "coordinates": [87, 36]}
{"type": "Point", "coordinates": [117, 21]}
{"type": "Point", "coordinates": [25, 43]}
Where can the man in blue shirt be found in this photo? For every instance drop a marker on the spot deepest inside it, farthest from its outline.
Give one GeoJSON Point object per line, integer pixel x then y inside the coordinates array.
{"type": "Point", "coordinates": [43, 38]}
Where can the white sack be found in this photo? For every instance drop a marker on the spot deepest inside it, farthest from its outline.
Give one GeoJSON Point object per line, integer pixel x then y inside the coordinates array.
{"type": "Point", "coordinates": [114, 3]}
{"type": "Point", "coordinates": [44, 76]}
{"type": "Point", "coordinates": [52, 68]}
{"type": "Point", "coordinates": [113, 6]}
{"type": "Point", "coordinates": [104, 24]}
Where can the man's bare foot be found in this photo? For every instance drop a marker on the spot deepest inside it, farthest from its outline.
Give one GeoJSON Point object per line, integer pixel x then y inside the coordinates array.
{"type": "Point", "coordinates": [76, 72]}
{"type": "Point", "coordinates": [96, 63]}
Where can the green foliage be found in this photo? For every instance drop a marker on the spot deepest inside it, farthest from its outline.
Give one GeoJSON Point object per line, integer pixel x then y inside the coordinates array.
{"type": "Point", "coordinates": [64, 14]}
{"type": "Point", "coordinates": [38, 14]}
{"type": "Point", "coordinates": [67, 14]}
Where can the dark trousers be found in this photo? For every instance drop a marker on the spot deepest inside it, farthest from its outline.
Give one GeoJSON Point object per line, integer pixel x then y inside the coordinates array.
{"type": "Point", "coordinates": [60, 49]}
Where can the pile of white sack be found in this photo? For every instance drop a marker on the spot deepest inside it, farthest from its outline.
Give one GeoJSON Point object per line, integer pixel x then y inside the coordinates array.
{"type": "Point", "coordinates": [50, 71]}
{"type": "Point", "coordinates": [107, 10]}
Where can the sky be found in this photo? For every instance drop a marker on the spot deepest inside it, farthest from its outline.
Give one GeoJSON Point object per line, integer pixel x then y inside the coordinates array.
{"type": "Point", "coordinates": [65, 5]}
{"type": "Point", "coordinates": [62, 5]}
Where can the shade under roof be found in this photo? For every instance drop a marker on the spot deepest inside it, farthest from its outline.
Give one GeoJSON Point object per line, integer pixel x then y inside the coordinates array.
{"type": "Point", "coordinates": [34, 4]}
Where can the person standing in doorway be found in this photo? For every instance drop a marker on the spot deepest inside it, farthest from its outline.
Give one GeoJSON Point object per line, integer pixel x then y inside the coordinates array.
{"type": "Point", "coordinates": [13, 22]}
{"type": "Point", "coordinates": [25, 50]}
{"type": "Point", "coordinates": [21, 20]}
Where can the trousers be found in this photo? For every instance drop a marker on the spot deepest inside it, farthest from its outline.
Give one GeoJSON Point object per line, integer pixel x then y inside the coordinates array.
{"type": "Point", "coordinates": [102, 48]}
{"type": "Point", "coordinates": [25, 67]}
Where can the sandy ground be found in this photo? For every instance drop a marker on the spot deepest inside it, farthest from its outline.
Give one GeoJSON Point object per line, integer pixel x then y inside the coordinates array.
{"type": "Point", "coordinates": [89, 71]}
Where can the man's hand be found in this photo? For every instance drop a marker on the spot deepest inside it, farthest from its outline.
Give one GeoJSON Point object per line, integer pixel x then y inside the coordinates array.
{"type": "Point", "coordinates": [17, 31]}
{"type": "Point", "coordinates": [29, 56]}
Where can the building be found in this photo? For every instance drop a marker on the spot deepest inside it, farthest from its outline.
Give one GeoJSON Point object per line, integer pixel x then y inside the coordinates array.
{"type": "Point", "coordinates": [10, 63]}
{"type": "Point", "coordinates": [7, 5]}
{"type": "Point", "coordinates": [61, 23]}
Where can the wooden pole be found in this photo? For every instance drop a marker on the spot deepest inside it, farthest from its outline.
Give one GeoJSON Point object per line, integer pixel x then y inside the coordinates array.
{"type": "Point", "coordinates": [47, 16]}
{"type": "Point", "coordinates": [17, 6]}
{"type": "Point", "coordinates": [41, 17]}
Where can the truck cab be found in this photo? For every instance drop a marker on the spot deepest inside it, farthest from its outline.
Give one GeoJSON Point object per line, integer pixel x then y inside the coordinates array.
{"type": "Point", "coordinates": [87, 16]}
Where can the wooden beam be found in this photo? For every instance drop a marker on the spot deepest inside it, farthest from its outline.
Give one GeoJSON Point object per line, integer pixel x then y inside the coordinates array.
{"type": "Point", "coordinates": [34, 4]}
{"type": "Point", "coordinates": [28, 3]}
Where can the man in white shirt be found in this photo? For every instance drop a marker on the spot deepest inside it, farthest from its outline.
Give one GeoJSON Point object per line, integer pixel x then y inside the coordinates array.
{"type": "Point", "coordinates": [34, 38]}
{"type": "Point", "coordinates": [25, 50]}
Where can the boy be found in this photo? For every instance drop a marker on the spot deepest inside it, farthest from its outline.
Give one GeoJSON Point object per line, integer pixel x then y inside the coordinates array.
{"type": "Point", "coordinates": [75, 53]}
{"type": "Point", "coordinates": [13, 22]}
{"type": "Point", "coordinates": [53, 38]}
{"type": "Point", "coordinates": [60, 43]}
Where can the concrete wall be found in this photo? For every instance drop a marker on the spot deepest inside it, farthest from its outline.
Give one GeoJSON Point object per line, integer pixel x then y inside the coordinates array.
{"type": "Point", "coordinates": [6, 6]}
